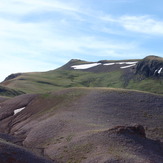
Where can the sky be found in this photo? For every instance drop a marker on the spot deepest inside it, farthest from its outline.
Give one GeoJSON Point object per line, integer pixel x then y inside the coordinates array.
{"type": "Point", "coordinates": [42, 35]}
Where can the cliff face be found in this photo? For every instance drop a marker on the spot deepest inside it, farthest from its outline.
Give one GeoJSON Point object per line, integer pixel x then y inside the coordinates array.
{"type": "Point", "coordinates": [151, 66]}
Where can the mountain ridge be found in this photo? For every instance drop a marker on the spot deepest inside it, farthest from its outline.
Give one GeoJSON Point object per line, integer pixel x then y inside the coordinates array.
{"type": "Point", "coordinates": [127, 74]}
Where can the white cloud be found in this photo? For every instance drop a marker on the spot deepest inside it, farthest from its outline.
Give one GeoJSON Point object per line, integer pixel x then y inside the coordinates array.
{"type": "Point", "coordinates": [35, 39]}
{"type": "Point", "coordinates": [87, 45]}
{"type": "Point", "coordinates": [23, 6]}
{"type": "Point", "coordinates": [140, 24]}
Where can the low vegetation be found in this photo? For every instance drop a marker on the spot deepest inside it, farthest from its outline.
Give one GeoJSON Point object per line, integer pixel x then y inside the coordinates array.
{"type": "Point", "coordinates": [100, 76]}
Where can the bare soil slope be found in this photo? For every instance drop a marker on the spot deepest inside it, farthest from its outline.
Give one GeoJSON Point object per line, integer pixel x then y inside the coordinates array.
{"type": "Point", "coordinates": [79, 125]}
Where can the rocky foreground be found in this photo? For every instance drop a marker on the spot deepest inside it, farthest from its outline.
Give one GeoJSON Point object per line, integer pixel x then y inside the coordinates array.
{"type": "Point", "coordinates": [82, 125]}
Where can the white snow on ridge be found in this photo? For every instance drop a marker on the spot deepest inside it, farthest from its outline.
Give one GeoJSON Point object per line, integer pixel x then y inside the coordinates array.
{"type": "Point", "coordinates": [128, 66]}
{"type": "Point", "coordinates": [108, 64]}
{"type": "Point", "coordinates": [129, 63]}
{"type": "Point", "coordinates": [155, 71]}
{"type": "Point", "coordinates": [159, 71]}
{"type": "Point", "coordinates": [18, 110]}
{"type": "Point", "coordinates": [85, 66]}
{"type": "Point", "coordinates": [120, 63]}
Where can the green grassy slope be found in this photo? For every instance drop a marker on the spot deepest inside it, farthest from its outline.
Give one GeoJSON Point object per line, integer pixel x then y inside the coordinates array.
{"type": "Point", "coordinates": [65, 77]}
{"type": "Point", "coordinates": [58, 79]}
{"type": "Point", "coordinates": [148, 85]}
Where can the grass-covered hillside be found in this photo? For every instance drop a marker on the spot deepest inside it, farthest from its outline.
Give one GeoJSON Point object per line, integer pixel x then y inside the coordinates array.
{"type": "Point", "coordinates": [128, 74]}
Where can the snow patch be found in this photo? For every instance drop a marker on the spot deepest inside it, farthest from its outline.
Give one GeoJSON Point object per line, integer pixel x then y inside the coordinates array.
{"type": "Point", "coordinates": [128, 63]}
{"type": "Point", "coordinates": [85, 66]}
{"type": "Point", "coordinates": [159, 71]}
{"type": "Point", "coordinates": [120, 63]}
{"type": "Point", "coordinates": [131, 63]}
{"type": "Point", "coordinates": [18, 110]}
{"type": "Point", "coordinates": [108, 64]}
{"type": "Point", "coordinates": [128, 66]}
{"type": "Point", "coordinates": [155, 71]}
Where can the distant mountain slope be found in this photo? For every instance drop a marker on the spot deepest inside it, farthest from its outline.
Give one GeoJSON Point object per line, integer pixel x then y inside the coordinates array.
{"type": "Point", "coordinates": [145, 75]}
{"type": "Point", "coordinates": [88, 125]}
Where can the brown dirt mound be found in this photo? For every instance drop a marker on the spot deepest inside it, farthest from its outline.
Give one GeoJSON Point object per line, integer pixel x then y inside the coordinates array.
{"type": "Point", "coordinates": [73, 124]}
{"type": "Point", "coordinates": [7, 107]}
{"type": "Point", "coordinates": [124, 144]}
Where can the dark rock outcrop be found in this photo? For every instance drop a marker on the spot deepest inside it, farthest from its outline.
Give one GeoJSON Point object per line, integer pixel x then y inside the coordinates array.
{"type": "Point", "coordinates": [136, 129]}
{"type": "Point", "coordinates": [151, 66]}
{"type": "Point", "coordinates": [12, 76]}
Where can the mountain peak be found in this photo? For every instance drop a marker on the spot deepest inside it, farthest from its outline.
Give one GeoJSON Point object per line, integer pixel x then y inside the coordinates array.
{"type": "Point", "coordinates": [153, 57]}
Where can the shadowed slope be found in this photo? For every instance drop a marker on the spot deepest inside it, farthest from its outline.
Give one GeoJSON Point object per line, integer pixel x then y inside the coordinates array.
{"type": "Point", "coordinates": [4, 91]}
{"type": "Point", "coordinates": [11, 153]}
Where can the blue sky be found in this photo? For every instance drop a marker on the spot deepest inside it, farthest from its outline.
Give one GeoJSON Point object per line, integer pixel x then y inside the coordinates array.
{"type": "Point", "coordinates": [40, 35]}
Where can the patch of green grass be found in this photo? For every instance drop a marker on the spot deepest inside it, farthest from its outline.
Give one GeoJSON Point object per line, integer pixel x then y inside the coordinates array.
{"type": "Point", "coordinates": [147, 115]}
{"type": "Point", "coordinates": [149, 85]}
{"type": "Point", "coordinates": [69, 137]}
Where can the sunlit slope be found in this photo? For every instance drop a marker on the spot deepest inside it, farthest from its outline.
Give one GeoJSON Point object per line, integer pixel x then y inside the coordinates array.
{"type": "Point", "coordinates": [54, 80]}
{"type": "Point", "coordinates": [129, 74]}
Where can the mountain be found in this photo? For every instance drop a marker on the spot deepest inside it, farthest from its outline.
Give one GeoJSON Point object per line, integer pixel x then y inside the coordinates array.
{"type": "Point", "coordinates": [130, 74]}
{"type": "Point", "coordinates": [84, 112]}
